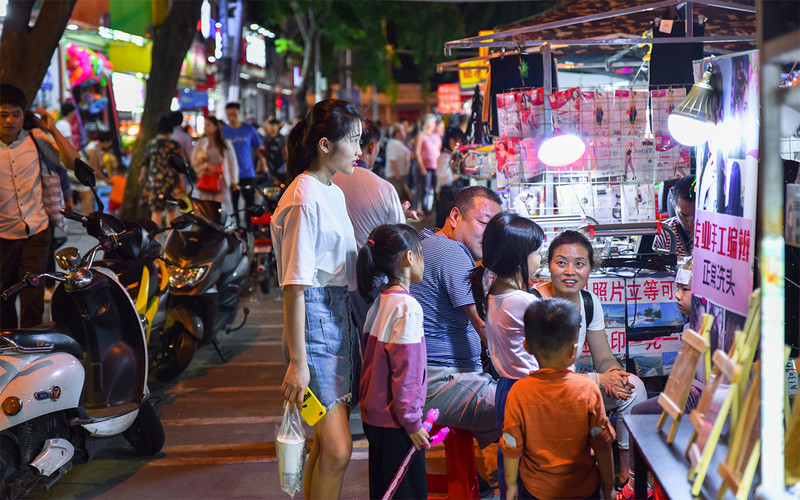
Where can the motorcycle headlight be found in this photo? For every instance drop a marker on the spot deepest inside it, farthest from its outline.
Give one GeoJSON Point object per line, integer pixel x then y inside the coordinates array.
{"type": "Point", "coordinates": [180, 277]}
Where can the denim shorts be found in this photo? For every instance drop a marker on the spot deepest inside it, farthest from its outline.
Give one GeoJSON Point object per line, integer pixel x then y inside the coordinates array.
{"type": "Point", "coordinates": [331, 346]}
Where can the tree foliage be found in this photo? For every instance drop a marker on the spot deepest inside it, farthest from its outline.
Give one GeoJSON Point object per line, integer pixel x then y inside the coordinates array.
{"type": "Point", "coordinates": [380, 32]}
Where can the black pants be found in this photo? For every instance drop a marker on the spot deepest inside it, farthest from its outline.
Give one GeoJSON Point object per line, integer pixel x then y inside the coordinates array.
{"type": "Point", "coordinates": [18, 257]}
{"type": "Point", "coordinates": [387, 449]}
{"type": "Point", "coordinates": [525, 494]}
{"type": "Point", "coordinates": [248, 192]}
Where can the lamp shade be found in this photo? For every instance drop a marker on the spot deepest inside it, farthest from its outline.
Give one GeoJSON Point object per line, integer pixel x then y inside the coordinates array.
{"type": "Point", "coordinates": [561, 149]}
{"type": "Point", "coordinates": [693, 121]}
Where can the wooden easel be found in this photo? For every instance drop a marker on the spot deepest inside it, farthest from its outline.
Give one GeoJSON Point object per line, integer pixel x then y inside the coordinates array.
{"type": "Point", "coordinates": [724, 384]}
{"type": "Point", "coordinates": [679, 383]}
{"type": "Point", "coordinates": [744, 451]}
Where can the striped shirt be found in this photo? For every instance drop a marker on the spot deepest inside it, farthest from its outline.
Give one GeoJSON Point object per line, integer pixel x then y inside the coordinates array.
{"type": "Point", "coordinates": [450, 338]}
{"type": "Point", "coordinates": [662, 241]}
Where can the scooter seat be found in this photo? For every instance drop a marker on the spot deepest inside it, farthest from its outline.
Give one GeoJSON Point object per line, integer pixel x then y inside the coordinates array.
{"type": "Point", "coordinates": [45, 334]}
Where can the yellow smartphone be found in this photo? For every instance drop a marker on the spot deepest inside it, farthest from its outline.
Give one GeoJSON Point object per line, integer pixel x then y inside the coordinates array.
{"type": "Point", "coordinates": [312, 409]}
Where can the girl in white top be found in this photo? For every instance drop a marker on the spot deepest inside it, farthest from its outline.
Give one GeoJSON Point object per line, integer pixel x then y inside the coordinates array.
{"type": "Point", "coordinates": [212, 153]}
{"type": "Point", "coordinates": [511, 246]}
{"type": "Point", "coordinates": [570, 260]}
{"type": "Point", "coordinates": [316, 254]}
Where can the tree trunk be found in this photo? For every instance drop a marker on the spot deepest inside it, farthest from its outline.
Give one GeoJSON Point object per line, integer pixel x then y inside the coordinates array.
{"type": "Point", "coordinates": [25, 51]}
{"type": "Point", "coordinates": [172, 41]}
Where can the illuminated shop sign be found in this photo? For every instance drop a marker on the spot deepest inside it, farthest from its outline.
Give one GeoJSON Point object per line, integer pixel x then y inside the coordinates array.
{"type": "Point", "coordinates": [255, 50]}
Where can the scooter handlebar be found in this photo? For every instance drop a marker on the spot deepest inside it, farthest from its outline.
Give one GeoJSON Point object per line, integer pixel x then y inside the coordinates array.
{"type": "Point", "coordinates": [30, 279]}
{"type": "Point", "coordinates": [69, 214]}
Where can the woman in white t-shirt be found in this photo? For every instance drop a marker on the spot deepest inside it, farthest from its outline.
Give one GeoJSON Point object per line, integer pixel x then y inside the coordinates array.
{"type": "Point", "coordinates": [316, 256]}
{"type": "Point", "coordinates": [511, 246]}
{"type": "Point", "coordinates": [570, 260]}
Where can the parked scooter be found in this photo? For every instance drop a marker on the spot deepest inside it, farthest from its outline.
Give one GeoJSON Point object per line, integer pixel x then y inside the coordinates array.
{"type": "Point", "coordinates": [208, 268]}
{"type": "Point", "coordinates": [136, 261]}
{"type": "Point", "coordinates": [265, 270]}
{"type": "Point", "coordinates": [82, 375]}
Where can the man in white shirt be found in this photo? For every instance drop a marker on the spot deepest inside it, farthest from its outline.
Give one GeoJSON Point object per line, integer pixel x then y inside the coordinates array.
{"type": "Point", "coordinates": [24, 222]}
{"type": "Point", "coordinates": [398, 160]}
{"type": "Point", "coordinates": [64, 124]}
{"type": "Point", "coordinates": [371, 202]}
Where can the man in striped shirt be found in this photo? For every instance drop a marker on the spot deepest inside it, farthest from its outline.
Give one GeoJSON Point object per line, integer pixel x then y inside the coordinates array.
{"type": "Point", "coordinates": [457, 385]}
{"type": "Point", "coordinates": [682, 197]}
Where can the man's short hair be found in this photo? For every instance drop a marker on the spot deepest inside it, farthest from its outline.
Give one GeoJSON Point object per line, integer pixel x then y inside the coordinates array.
{"type": "Point", "coordinates": [465, 199]}
{"type": "Point", "coordinates": [232, 105]}
{"type": "Point", "coordinates": [369, 133]}
{"type": "Point", "coordinates": [176, 117]}
{"type": "Point", "coordinates": [67, 108]}
{"type": "Point", "coordinates": [396, 129]}
{"type": "Point", "coordinates": [551, 325]}
{"type": "Point", "coordinates": [164, 125]}
{"type": "Point", "coordinates": [11, 95]}
{"type": "Point", "coordinates": [683, 189]}
{"type": "Point", "coordinates": [105, 136]}
{"type": "Point", "coordinates": [273, 121]}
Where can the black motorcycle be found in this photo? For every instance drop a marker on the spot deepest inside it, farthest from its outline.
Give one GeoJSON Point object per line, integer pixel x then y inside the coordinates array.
{"type": "Point", "coordinates": [208, 265]}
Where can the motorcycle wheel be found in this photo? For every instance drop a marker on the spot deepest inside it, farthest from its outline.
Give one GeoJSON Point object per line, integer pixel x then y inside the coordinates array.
{"type": "Point", "coordinates": [9, 464]}
{"type": "Point", "coordinates": [177, 354]}
{"type": "Point", "coordinates": [146, 434]}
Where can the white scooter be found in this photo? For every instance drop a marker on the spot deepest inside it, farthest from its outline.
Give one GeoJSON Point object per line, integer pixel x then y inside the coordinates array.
{"type": "Point", "coordinates": [82, 375]}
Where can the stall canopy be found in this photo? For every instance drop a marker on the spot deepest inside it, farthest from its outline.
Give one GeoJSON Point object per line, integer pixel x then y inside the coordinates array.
{"type": "Point", "coordinates": [602, 33]}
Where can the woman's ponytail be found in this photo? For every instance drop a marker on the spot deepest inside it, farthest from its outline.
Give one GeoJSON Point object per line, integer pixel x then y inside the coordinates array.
{"type": "Point", "coordinates": [478, 292]}
{"type": "Point", "coordinates": [365, 270]}
{"type": "Point", "coordinates": [297, 158]}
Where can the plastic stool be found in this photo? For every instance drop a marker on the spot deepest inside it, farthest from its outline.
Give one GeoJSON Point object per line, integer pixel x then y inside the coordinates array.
{"type": "Point", "coordinates": [461, 479]}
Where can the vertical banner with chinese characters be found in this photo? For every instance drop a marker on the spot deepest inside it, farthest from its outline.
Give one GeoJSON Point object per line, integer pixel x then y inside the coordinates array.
{"type": "Point", "coordinates": [724, 232]}
{"type": "Point", "coordinates": [723, 246]}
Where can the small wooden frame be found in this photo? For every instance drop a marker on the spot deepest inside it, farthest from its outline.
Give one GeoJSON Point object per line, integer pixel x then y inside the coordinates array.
{"type": "Point", "coordinates": [679, 383]}
{"type": "Point", "coordinates": [723, 390]}
{"type": "Point", "coordinates": [744, 450]}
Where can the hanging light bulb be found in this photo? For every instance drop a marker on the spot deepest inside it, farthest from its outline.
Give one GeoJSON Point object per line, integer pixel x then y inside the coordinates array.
{"type": "Point", "coordinates": [561, 149]}
{"type": "Point", "coordinates": [693, 122]}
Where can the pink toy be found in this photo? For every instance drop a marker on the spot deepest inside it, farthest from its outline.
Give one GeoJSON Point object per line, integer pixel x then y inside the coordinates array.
{"type": "Point", "coordinates": [437, 438]}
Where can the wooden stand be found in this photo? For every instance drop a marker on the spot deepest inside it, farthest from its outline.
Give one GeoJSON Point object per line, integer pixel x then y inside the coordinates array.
{"type": "Point", "coordinates": [744, 450]}
{"type": "Point", "coordinates": [723, 393]}
{"type": "Point", "coordinates": [676, 392]}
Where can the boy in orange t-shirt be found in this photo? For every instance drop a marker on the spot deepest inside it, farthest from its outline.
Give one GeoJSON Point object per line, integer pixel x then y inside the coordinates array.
{"type": "Point", "coordinates": [556, 435]}
{"type": "Point", "coordinates": [117, 182]}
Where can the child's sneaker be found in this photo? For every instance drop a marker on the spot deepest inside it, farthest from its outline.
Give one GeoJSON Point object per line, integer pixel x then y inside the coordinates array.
{"type": "Point", "coordinates": [626, 493]}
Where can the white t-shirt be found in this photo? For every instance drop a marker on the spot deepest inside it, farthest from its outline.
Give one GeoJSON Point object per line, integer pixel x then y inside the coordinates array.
{"type": "Point", "coordinates": [65, 128]}
{"type": "Point", "coordinates": [598, 321]}
{"type": "Point", "coordinates": [313, 237]}
{"type": "Point", "coordinates": [398, 152]}
{"type": "Point", "coordinates": [371, 202]}
{"type": "Point", "coordinates": [444, 174]}
{"type": "Point", "coordinates": [505, 331]}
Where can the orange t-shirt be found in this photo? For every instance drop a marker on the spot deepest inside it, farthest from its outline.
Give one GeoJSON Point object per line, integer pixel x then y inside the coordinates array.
{"type": "Point", "coordinates": [117, 188]}
{"type": "Point", "coordinates": [554, 418]}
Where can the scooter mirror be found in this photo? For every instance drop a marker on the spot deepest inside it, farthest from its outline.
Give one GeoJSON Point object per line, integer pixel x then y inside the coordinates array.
{"type": "Point", "coordinates": [181, 224]}
{"type": "Point", "coordinates": [255, 211]}
{"type": "Point", "coordinates": [177, 163]}
{"type": "Point", "coordinates": [84, 173]}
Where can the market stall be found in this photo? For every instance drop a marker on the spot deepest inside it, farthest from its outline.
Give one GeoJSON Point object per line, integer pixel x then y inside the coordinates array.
{"type": "Point", "coordinates": [625, 154]}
